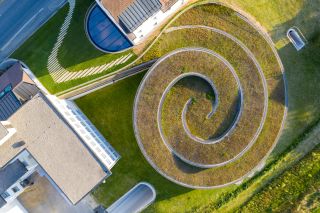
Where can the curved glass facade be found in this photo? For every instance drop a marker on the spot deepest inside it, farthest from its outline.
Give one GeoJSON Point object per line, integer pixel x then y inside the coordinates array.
{"type": "Point", "coordinates": [104, 34]}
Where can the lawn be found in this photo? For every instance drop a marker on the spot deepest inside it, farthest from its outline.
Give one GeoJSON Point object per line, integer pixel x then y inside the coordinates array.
{"type": "Point", "coordinates": [76, 52]}
{"type": "Point", "coordinates": [302, 69]}
{"type": "Point", "coordinates": [110, 109]}
{"type": "Point", "coordinates": [234, 163]}
{"type": "Point", "coordinates": [292, 191]}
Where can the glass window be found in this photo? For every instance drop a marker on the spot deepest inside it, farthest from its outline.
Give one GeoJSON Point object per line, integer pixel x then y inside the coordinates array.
{"type": "Point", "coordinates": [15, 189]}
{"type": "Point", "coordinates": [8, 88]}
{"type": "Point", "coordinates": [5, 195]}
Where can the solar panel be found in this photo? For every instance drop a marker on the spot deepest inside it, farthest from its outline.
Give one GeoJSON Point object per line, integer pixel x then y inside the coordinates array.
{"type": "Point", "coordinates": [9, 104]}
{"type": "Point", "coordinates": [138, 12]}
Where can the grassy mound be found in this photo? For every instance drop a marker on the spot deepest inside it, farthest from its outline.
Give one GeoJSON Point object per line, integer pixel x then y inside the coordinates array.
{"type": "Point", "coordinates": [233, 158]}
{"type": "Point", "coordinates": [207, 65]}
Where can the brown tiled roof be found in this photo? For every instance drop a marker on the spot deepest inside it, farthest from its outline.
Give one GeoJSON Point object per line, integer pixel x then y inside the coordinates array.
{"type": "Point", "coordinates": [167, 4]}
{"type": "Point", "coordinates": [116, 7]}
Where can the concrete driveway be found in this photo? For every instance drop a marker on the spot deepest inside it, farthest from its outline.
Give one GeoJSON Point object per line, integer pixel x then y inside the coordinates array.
{"type": "Point", "coordinates": [19, 19]}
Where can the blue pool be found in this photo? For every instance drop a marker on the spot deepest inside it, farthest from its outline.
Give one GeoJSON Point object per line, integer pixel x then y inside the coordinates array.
{"type": "Point", "coordinates": [103, 33]}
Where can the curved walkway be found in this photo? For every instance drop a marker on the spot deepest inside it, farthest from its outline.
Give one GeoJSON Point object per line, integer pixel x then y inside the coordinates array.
{"type": "Point", "coordinates": [265, 88]}
{"type": "Point", "coordinates": [184, 123]}
{"type": "Point", "coordinates": [58, 73]}
{"type": "Point", "coordinates": [263, 33]}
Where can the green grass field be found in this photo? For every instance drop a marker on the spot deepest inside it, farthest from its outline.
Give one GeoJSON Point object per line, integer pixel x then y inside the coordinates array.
{"type": "Point", "coordinates": [302, 69]}
{"type": "Point", "coordinates": [285, 193]}
{"type": "Point", "coordinates": [76, 52]}
{"type": "Point", "coordinates": [303, 75]}
{"type": "Point", "coordinates": [110, 109]}
{"type": "Point", "coordinates": [228, 21]}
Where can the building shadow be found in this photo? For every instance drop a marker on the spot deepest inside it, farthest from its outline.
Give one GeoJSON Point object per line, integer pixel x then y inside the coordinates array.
{"type": "Point", "coordinates": [302, 72]}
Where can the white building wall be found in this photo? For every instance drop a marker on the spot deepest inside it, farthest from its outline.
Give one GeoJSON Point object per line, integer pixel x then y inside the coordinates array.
{"type": "Point", "coordinates": [150, 24]}
{"type": "Point", "coordinates": [10, 132]}
{"type": "Point", "coordinates": [13, 207]}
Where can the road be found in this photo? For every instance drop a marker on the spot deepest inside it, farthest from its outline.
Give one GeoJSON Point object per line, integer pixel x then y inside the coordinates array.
{"type": "Point", "coordinates": [19, 19]}
{"type": "Point", "coordinates": [82, 91]}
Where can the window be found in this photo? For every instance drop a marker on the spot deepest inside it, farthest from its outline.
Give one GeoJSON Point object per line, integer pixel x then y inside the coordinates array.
{"type": "Point", "coordinates": [5, 195]}
{"type": "Point", "coordinates": [8, 88]}
{"type": "Point", "coordinates": [15, 189]}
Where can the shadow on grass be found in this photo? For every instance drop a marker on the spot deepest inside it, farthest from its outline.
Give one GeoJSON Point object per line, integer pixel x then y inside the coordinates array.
{"type": "Point", "coordinates": [110, 110]}
{"type": "Point", "coordinates": [199, 85]}
{"type": "Point", "coordinates": [278, 93]}
{"type": "Point", "coordinates": [303, 76]}
{"type": "Point", "coordinates": [229, 120]}
{"type": "Point", "coordinates": [187, 168]}
{"type": "Point", "coordinates": [307, 20]}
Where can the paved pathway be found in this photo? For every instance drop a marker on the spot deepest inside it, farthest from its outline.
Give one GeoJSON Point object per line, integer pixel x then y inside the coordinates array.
{"type": "Point", "coordinates": [265, 88]}
{"type": "Point", "coordinates": [85, 90]}
{"type": "Point", "coordinates": [58, 72]}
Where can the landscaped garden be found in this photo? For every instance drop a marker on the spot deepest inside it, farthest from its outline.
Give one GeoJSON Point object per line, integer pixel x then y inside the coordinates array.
{"type": "Point", "coordinates": [116, 122]}
{"type": "Point", "coordinates": [114, 117]}
{"type": "Point", "coordinates": [75, 54]}
{"type": "Point", "coordinates": [249, 137]}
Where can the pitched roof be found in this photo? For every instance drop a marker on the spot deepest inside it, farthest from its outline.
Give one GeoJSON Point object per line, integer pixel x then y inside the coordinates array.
{"type": "Point", "coordinates": [9, 104]}
{"type": "Point", "coordinates": [138, 12]}
{"type": "Point", "coordinates": [11, 174]}
{"type": "Point", "coordinates": [55, 146]}
{"type": "Point", "coordinates": [14, 75]}
{"type": "Point", "coordinates": [116, 7]}
{"type": "Point", "coordinates": [167, 4]}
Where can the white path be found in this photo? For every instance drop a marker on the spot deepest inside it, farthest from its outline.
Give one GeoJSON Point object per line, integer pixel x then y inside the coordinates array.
{"type": "Point", "coordinates": [59, 73]}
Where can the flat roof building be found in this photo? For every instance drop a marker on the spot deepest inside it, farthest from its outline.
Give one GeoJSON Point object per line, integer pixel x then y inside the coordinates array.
{"type": "Point", "coordinates": [62, 141]}
{"type": "Point", "coordinates": [115, 26]}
